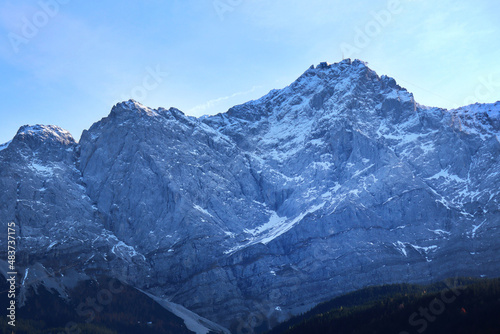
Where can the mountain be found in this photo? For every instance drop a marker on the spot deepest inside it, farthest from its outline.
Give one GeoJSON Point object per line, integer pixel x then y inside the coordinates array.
{"type": "Point", "coordinates": [334, 183]}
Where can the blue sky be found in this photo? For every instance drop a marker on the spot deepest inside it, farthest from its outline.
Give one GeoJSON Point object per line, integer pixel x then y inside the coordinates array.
{"type": "Point", "coordinates": [67, 62]}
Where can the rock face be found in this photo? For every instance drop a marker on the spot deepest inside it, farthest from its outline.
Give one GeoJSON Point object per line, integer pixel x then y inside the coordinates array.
{"type": "Point", "coordinates": [336, 182]}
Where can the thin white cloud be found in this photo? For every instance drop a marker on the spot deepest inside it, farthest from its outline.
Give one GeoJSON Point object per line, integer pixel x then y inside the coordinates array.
{"type": "Point", "coordinates": [212, 103]}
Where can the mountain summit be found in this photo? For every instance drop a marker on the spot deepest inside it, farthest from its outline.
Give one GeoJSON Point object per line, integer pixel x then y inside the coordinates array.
{"type": "Point", "coordinates": [333, 183]}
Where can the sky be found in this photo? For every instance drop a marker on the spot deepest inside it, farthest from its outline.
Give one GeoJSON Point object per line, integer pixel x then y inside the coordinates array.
{"type": "Point", "coordinates": [67, 62]}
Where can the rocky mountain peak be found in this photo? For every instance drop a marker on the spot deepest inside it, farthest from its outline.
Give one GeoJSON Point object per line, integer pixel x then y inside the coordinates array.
{"type": "Point", "coordinates": [44, 133]}
{"type": "Point", "coordinates": [341, 87]}
{"type": "Point", "coordinates": [131, 107]}
{"type": "Point", "coordinates": [47, 141]}
{"type": "Point", "coordinates": [355, 69]}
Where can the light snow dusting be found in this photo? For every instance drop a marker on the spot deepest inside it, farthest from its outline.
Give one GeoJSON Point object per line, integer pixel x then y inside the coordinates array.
{"type": "Point", "coordinates": [41, 169]}
{"type": "Point", "coordinates": [5, 145]}
{"type": "Point", "coordinates": [275, 227]}
{"type": "Point", "coordinates": [125, 251]}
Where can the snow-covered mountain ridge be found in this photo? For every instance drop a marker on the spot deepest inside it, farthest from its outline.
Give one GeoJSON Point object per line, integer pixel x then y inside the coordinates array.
{"type": "Point", "coordinates": [338, 181]}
